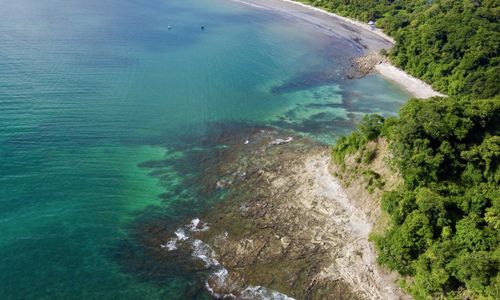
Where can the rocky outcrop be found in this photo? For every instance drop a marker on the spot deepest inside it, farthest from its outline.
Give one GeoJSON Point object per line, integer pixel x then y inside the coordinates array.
{"type": "Point", "coordinates": [364, 65]}
{"type": "Point", "coordinates": [287, 225]}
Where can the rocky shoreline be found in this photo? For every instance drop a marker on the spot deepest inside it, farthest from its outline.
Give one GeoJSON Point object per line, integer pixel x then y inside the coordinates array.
{"type": "Point", "coordinates": [285, 227]}
{"type": "Point", "coordinates": [366, 64]}
{"type": "Point", "coordinates": [377, 63]}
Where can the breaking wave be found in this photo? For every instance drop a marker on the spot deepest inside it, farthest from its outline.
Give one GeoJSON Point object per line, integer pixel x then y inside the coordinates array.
{"type": "Point", "coordinates": [219, 274]}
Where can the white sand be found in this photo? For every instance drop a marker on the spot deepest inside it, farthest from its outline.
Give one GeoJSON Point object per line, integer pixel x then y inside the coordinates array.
{"type": "Point", "coordinates": [415, 86]}
{"type": "Point", "coordinates": [345, 19]}
{"type": "Point", "coordinates": [357, 32]}
{"type": "Point", "coordinates": [330, 24]}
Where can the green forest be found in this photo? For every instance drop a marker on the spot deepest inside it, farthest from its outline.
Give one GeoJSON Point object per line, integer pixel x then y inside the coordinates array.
{"type": "Point", "coordinates": [451, 44]}
{"type": "Point", "coordinates": [444, 230]}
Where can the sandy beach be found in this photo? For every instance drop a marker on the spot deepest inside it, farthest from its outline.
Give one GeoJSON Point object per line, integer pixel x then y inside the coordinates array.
{"type": "Point", "coordinates": [415, 86]}
{"type": "Point", "coordinates": [359, 33]}
{"type": "Point", "coordinates": [326, 22]}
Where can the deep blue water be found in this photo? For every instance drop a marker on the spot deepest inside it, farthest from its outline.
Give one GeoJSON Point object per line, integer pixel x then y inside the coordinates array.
{"type": "Point", "coordinates": [92, 90]}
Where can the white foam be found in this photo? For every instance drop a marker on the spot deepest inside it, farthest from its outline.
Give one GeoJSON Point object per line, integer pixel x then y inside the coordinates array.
{"type": "Point", "coordinates": [281, 141]}
{"type": "Point", "coordinates": [206, 254]}
{"type": "Point", "coordinates": [181, 234]}
{"type": "Point", "coordinates": [219, 275]}
{"type": "Point", "coordinates": [194, 223]}
{"type": "Point", "coordinates": [262, 293]}
{"type": "Point", "coordinates": [211, 291]}
{"type": "Point", "coordinates": [203, 252]}
{"type": "Point", "coordinates": [219, 278]}
{"type": "Point", "coordinates": [194, 226]}
{"type": "Point", "coordinates": [170, 245]}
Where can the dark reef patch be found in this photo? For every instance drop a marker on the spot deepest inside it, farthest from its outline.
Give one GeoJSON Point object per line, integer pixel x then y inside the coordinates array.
{"type": "Point", "coordinates": [306, 80]}
{"type": "Point", "coordinates": [204, 159]}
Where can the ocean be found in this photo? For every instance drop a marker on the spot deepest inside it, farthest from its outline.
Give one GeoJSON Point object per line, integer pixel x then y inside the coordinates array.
{"type": "Point", "coordinates": [102, 104]}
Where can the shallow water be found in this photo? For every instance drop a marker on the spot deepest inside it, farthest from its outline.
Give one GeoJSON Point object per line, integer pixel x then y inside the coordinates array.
{"type": "Point", "coordinates": [93, 93]}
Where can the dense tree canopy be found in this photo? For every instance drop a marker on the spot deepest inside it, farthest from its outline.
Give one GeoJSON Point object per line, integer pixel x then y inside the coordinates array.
{"type": "Point", "coordinates": [452, 44]}
{"type": "Point", "coordinates": [444, 228]}
{"type": "Point", "coordinates": [444, 232]}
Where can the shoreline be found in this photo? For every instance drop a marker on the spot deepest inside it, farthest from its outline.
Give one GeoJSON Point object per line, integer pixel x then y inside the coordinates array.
{"type": "Point", "coordinates": [418, 88]}
{"type": "Point", "coordinates": [286, 226]}
{"type": "Point", "coordinates": [359, 33]}
{"type": "Point", "coordinates": [345, 19]}
{"type": "Point", "coordinates": [297, 235]}
{"type": "Point", "coordinates": [325, 22]}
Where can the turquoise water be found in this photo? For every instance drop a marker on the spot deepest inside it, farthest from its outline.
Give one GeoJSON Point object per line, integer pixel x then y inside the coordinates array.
{"type": "Point", "coordinates": [91, 91]}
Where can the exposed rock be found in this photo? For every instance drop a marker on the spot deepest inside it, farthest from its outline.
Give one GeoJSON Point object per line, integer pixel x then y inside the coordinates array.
{"type": "Point", "coordinates": [364, 65]}
{"type": "Point", "coordinates": [296, 232]}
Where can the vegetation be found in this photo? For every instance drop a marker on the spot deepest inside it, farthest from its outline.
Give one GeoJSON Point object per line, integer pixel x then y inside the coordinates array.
{"type": "Point", "coordinates": [373, 180]}
{"type": "Point", "coordinates": [445, 218]}
{"type": "Point", "coordinates": [451, 44]}
{"type": "Point", "coordinates": [444, 232]}
{"type": "Point", "coordinates": [369, 128]}
{"type": "Point", "coordinates": [355, 147]}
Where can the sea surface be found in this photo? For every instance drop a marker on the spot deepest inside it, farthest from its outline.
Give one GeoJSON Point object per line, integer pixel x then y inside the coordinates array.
{"type": "Point", "coordinates": [101, 101]}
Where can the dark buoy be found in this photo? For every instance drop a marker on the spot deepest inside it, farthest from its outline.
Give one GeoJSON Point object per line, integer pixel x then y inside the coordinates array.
{"type": "Point", "coordinates": [202, 27]}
